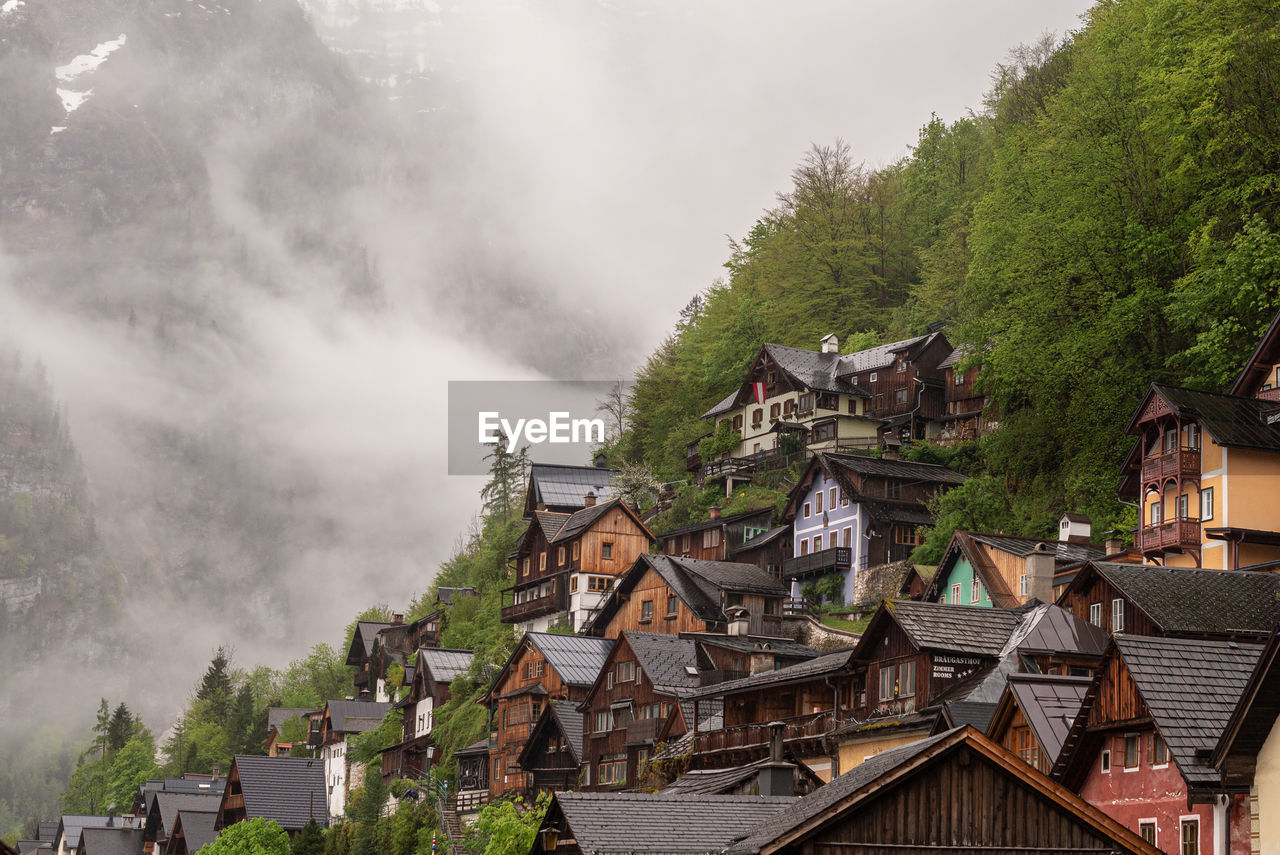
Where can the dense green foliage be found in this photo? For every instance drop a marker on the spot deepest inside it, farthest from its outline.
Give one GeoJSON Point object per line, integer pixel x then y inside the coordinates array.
{"type": "Point", "coordinates": [120, 758]}
{"type": "Point", "coordinates": [252, 837]}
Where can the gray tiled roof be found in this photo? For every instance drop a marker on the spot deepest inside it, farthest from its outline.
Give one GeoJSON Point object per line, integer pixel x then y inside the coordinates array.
{"type": "Point", "coordinates": [1232, 421]}
{"type": "Point", "coordinates": [656, 823]}
{"type": "Point", "coordinates": [170, 803]}
{"type": "Point", "coordinates": [824, 797]}
{"type": "Point", "coordinates": [577, 659]}
{"type": "Point", "coordinates": [762, 539]}
{"type": "Point", "coordinates": [1190, 688]}
{"type": "Point", "coordinates": [976, 714]}
{"type": "Point", "coordinates": [754, 644]}
{"type": "Point", "coordinates": [362, 641]}
{"type": "Point", "coordinates": [1053, 629]}
{"type": "Point", "coordinates": [567, 486]}
{"type": "Point", "coordinates": [580, 521]}
{"type": "Point", "coordinates": [48, 830]}
{"type": "Point", "coordinates": [197, 827]}
{"type": "Point", "coordinates": [733, 576]}
{"type": "Point", "coordinates": [276, 716]}
{"type": "Point", "coordinates": [1188, 600]}
{"type": "Point", "coordinates": [964, 629]}
{"type": "Point", "coordinates": [927, 472]}
{"type": "Point", "coordinates": [665, 660]}
{"type": "Point", "coordinates": [290, 790]}
{"type": "Point", "coordinates": [112, 841]}
{"type": "Point", "coordinates": [572, 725]}
{"type": "Point", "coordinates": [444, 664]}
{"type": "Point", "coordinates": [1064, 551]}
{"type": "Point", "coordinates": [1050, 704]}
{"type": "Point", "coordinates": [801, 671]}
{"type": "Point", "coordinates": [550, 522]}
{"type": "Point", "coordinates": [72, 824]}
{"type": "Point", "coordinates": [356, 716]}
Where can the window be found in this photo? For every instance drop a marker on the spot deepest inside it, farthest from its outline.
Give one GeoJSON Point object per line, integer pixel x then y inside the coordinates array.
{"type": "Point", "coordinates": [737, 422]}
{"type": "Point", "coordinates": [1022, 585]}
{"type": "Point", "coordinates": [831, 498]}
{"type": "Point", "coordinates": [606, 550]}
{"type": "Point", "coordinates": [807, 509]}
{"type": "Point", "coordinates": [627, 670]}
{"type": "Point", "coordinates": [787, 406]}
{"type": "Point", "coordinates": [613, 769]}
{"type": "Point", "coordinates": [853, 406]}
{"type": "Point", "coordinates": [892, 490]}
{"type": "Point", "coordinates": [525, 572]}
{"type": "Point", "coordinates": [750, 531]}
{"type": "Point", "coordinates": [576, 550]}
{"type": "Point", "coordinates": [871, 378]}
{"type": "Point", "coordinates": [957, 377]}
{"type": "Point", "coordinates": [902, 365]}
{"type": "Point", "coordinates": [886, 682]}
{"type": "Point", "coordinates": [1206, 503]}
{"type": "Point", "coordinates": [673, 605]}
{"type": "Point", "coordinates": [774, 410]}
{"type": "Point", "coordinates": [599, 583]}
{"type": "Point", "coordinates": [604, 722]}
{"type": "Point", "coordinates": [907, 679]}
{"type": "Point", "coordinates": [646, 610]}
{"type": "Point", "coordinates": [1131, 752]}
{"type": "Point", "coordinates": [817, 502]}
{"type": "Point", "coordinates": [1095, 614]}
{"type": "Point", "coordinates": [900, 396]}
{"type": "Point", "coordinates": [1191, 836]}
{"type": "Point", "coordinates": [1026, 746]}
{"type": "Point", "coordinates": [1183, 506]}
{"type": "Point", "coordinates": [806, 402]}
{"type": "Point", "coordinates": [1105, 765]}
{"type": "Point", "coordinates": [757, 416]}
{"type": "Point", "coordinates": [1193, 436]}
{"type": "Point", "coordinates": [1147, 830]}
{"type": "Point", "coordinates": [1170, 441]}
{"type": "Point", "coordinates": [828, 401]}
{"type": "Point", "coordinates": [1159, 751]}
{"type": "Point", "coordinates": [560, 557]}
{"type": "Point", "coordinates": [621, 717]}
{"type": "Point", "coordinates": [817, 543]}
{"type": "Point", "coordinates": [823, 432]}
{"type": "Point", "coordinates": [955, 594]}
{"type": "Point", "coordinates": [907, 535]}
{"type": "Point", "coordinates": [975, 592]}
{"type": "Point", "coordinates": [848, 537]}
{"type": "Point", "coordinates": [534, 669]}
{"type": "Point", "coordinates": [684, 544]}
{"type": "Point", "coordinates": [542, 561]}
{"type": "Point", "coordinates": [497, 768]}
{"type": "Point", "coordinates": [804, 546]}
{"type": "Point", "coordinates": [844, 500]}
{"type": "Point", "coordinates": [573, 584]}
{"type": "Point", "coordinates": [1117, 615]}
{"type": "Point", "coordinates": [711, 538]}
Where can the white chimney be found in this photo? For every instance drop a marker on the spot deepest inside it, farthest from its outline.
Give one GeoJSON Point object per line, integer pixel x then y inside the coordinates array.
{"type": "Point", "coordinates": [831, 344]}
{"type": "Point", "coordinates": [1076, 528]}
{"type": "Point", "coordinates": [1040, 568]}
{"type": "Point", "coordinates": [739, 621]}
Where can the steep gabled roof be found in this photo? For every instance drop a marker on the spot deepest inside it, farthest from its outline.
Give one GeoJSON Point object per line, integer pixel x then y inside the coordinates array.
{"type": "Point", "coordinates": [362, 642]}
{"type": "Point", "coordinates": [937, 626]}
{"type": "Point", "coordinates": [580, 521]}
{"type": "Point", "coordinates": [1232, 421]}
{"type": "Point", "coordinates": [71, 825]}
{"type": "Point", "coordinates": [355, 716]}
{"type": "Point", "coordinates": [665, 660]}
{"type": "Point", "coordinates": [831, 663]}
{"type": "Point", "coordinates": [196, 827]}
{"type": "Point", "coordinates": [732, 576]}
{"type": "Point", "coordinates": [976, 714]}
{"type": "Point", "coordinates": [1252, 721]}
{"type": "Point", "coordinates": [642, 823]}
{"type": "Point", "coordinates": [111, 841]}
{"type": "Point", "coordinates": [442, 664]}
{"type": "Point", "coordinates": [165, 807]}
{"type": "Point", "coordinates": [564, 488]}
{"type": "Point", "coordinates": [1255, 372]}
{"type": "Point", "coordinates": [577, 659]}
{"type": "Point", "coordinates": [290, 790]}
{"type": "Point", "coordinates": [1050, 704]}
{"type": "Point", "coordinates": [762, 539]}
{"type": "Point", "coordinates": [1052, 629]}
{"type": "Point", "coordinates": [557, 717]}
{"type": "Point", "coordinates": [711, 781]}
{"type": "Point", "coordinates": [717, 522]}
{"type": "Point", "coordinates": [1193, 601]}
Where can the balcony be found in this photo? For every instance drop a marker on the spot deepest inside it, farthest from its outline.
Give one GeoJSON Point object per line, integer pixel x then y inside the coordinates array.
{"type": "Point", "coordinates": [838, 559]}
{"type": "Point", "coordinates": [1172, 536]}
{"type": "Point", "coordinates": [752, 739]}
{"type": "Point", "coordinates": [556, 601]}
{"type": "Point", "coordinates": [642, 731]}
{"type": "Point", "coordinates": [1183, 463]}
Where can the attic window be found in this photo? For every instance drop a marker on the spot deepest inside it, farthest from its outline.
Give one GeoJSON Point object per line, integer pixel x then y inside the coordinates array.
{"type": "Point", "coordinates": [871, 378]}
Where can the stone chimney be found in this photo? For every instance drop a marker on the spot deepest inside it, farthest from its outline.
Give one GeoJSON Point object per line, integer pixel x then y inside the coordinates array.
{"type": "Point", "coordinates": [589, 500]}
{"type": "Point", "coordinates": [1040, 567]}
{"type": "Point", "coordinates": [397, 617]}
{"type": "Point", "coordinates": [1076, 528]}
{"type": "Point", "coordinates": [1114, 546]}
{"type": "Point", "coordinates": [777, 777]}
{"type": "Point", "coordinates": [889, 452]}
{"type": "Point", "coordinates": [714, 512]}
{"type": "Point", "coordinates": [762, 661]}
{"type": "Point", "coordinates": [739, 621]}
{"type": "Point", "coordinates": [600, 460]}
{"type": "Point", "coordinates": [830, 344]}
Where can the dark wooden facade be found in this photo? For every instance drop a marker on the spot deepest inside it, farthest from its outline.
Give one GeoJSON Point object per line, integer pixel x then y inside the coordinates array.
{"type": "Point", "coordinates": [515, 702]}
{"type": "Point", "coordinates": [913, 677]}
{"type": "Point", "coordinates": [551, 755]}
{"type": "Point", "coordinates": [1091, 597]}
{"type": "Point", "coordinates": [714, 539]}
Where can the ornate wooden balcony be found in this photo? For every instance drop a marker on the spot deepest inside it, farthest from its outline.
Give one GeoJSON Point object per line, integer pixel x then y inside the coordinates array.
{"type": "Point", "coordinates": [1172, 536]}
{"type": "Point", "coordinates": [1183, 463]}
{"type": "Point", "coordinates": [1269, 394]}
{"type": "Point", "coordinates": [537, 607]}
{"type": "Point", "coordinates": [837, 559]}
{"type": "Point", "coordinates": [753, 739]}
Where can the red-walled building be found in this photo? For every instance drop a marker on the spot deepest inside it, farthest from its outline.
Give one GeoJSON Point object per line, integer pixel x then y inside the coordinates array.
{"type": "Point", "coordinates": [1140, 748]}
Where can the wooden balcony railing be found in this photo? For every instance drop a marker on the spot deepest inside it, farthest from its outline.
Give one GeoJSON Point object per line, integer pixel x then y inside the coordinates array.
{"type": "Point", "coordinates": [835, 560]}
{"type": "Point", "coordinates": [1173, 535]}
{"type": "Point", "coordinates": [758, 736]}
{"type": "Point", "coordinates": [556, 601]}
{"type": "Point", "coordinates": [1269, 394]}
{"type": "Point", "coordinates": [1184, 463]}
{"type": "Point", "coordinates": [642, 730]}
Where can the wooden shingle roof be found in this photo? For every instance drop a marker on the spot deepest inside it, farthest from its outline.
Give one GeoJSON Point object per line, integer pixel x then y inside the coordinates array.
{"type": "Point", "coordinates": [1192, 601]}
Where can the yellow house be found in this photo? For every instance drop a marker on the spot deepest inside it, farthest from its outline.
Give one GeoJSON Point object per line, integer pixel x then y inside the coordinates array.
{"type": "Point", "coordinates": [1206, 469]}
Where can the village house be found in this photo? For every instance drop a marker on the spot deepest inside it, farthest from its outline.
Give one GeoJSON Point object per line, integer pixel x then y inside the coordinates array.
{"type": "Point", "coordinates": [369, 684]}
{"type": "Point", "coordinates": [716, 537]}
{"type": "Point", "coordinates": [472, 765]}
{"type": "Point", "coordinates": [767, 550]}
{"type": "Point", "coordinates": [544, 667]}
{"type": "Point", "coordinates": [277, 717]}
{"type": "Point", "coordinates": [289, 790]}
{"type": "Point", "coordinates": [561, 489]}
{"type": "Point", "coordinates": [1140, 748]}
{"type": "Point", "coordinates": [566, 564]}
{"type": "Point", "coordinates": [1248, 755]}
{"type": "Point", "coordinates": [1143, 599]}
{"type": "Point", "coordinates": [1204, 467]}
{"type": "Point", "coordinates": [850, 512]}
{"type": "Point", "coordinates": [110, 840]}
{"type": "Point", "coordinates": [340, 721]}
{"type": "Point", "coordinates": [828, 401]}
{"type": "Point", "coordinates": [553, 754]}
{"type": "Point", "coordinates": [192, 829]}
{"type": "Point", "coordinates": [434, 669]}
{"type": "Point", "coordinates": [1034, 716]}
{"type": "Point", "coordinates": [979, 569]}
{"type": "Point", "coordinates": [661, 593]}
{"type": "Point", "coordinates": [162, 813]}
{"type": "Point", "coordinates": [969, 414]}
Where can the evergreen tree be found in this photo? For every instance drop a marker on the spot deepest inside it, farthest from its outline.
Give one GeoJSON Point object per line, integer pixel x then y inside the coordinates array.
{"type": "Point", "coordinates": [308, 841]}
{"type": "Point", "coordinates": [215, 688]}
{"type": "Point", "coordinates": [119, 728]}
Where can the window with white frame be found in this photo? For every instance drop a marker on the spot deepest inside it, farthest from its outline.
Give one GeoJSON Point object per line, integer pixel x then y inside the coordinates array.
{"type": "Point", "coordinates": [817, 543]}
{"type": "Point", "coordinates": [1157, 512]}
{"type": "Point", "coordinates": [1104, 764]}
{"type": "Point", "coordinates": [1206, 503]}
{"type": "Point", "coordinates": [1117, 615]}
{"type": "Point", "coordinates": [1022, 585]}
{"type": "Point", "coordinates": [1147, 830]}
{"type": "Point", "coordinates": [955, 594]}
{"type": "Point", "coordinates": [1184, 506]}
{"type": "Point", "coordinates": [817, 507]}
{"type": "Point", "coordinates": [1095, 614]}
{"type": "Point", "coordinates": [975, 594]}
{"type": "Point", "coordinates": [1190, 836]}
{"type": "Point", "coordinates": [807, 511]}
{"type": "Point", "coordinates": [848, 536]}
{"type": "Point", "coordinates": [831, 498]}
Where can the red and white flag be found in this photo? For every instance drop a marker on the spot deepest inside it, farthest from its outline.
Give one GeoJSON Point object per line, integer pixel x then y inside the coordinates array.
{"type": "Point", "coordinates": [758, 388]}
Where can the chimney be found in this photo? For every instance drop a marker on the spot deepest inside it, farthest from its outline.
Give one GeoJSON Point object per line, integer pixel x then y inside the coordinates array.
{"type": "Point", "coordinates": [761, 662]}
{"type": "Point", "coordinates": [889, 452]}
{"type": "Point", "coordinates": [831, 344]}
{"type": "Point", "coordinates": [1114, 546]}
{"type": "Point", "coordinates": [600, 460]}
{"type": "Point", "coordinates": [714, 512]}
{"type": "Point", "coordinates": [739, 621]}
{"type": "Point", "coordinates": [1040, 567]}
{"type": "Point", "coordinates": [777, 777]}
{"type": "Point", "coordinates": [397, 617]}
{"type": "Point", "coordinates": [589, 500]}
{"type": "Point", "coordinates": [1076, 528]}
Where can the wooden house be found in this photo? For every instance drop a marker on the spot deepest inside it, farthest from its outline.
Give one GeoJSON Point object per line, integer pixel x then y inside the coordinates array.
{"type": "Point", "coordinates": [980, 569]}
{"type": "Point", "coordinates": [192, 829]}
{"type": "Point", "coordinates": [71, 826]}
{"type": "Point", "coordinates": [828, 400]}
{"type": "Point", "coordinates": [364, 644]}
{"type": "Point", "coordinates": [396, 643]}
{"type": "Point", "coordinates": [161, 815]}
{"type": "Point", "coordinates": [1247, 755]}
{"type": "Point", "coordinates": [969, 414]}
{"type": "Point", "coordinates": [661, 593]}
{"type": "Point", "coordinates": [716, 537]}
{"type": "Point", "coordinates": [643, 676]}
{"type": "Point", "coordinates": [1035, 714]}
{"type": "Point", "coordinates": [277, 717]}
{"type": "Point", "coordinates": [340, 721]}
{"type": "Point", "coordinates": [1140, 748]}
{"type": "Point", "coordinates": [850, 512]}
{"type": "Point", "coordinates": [768, 550]}
{"type": "Point", "coordinates": [110, 841]}
{"type": "Point", "coordinates": [290, 790]}
{"type": "Point", "coordinates": [544, 667]}
{"type": "Point", "coordinates": [744, 780]}
{"type": "Point", "coordinates": [473, 777]}
{"type": "Point", "coordinates": [1203, 467]}
{"type": "Point", "coordinates": [1144, 599]}
{"type": "Point", "coordinates": [561, 489]}
{"type": "Point", "coordinates": [435, 668]}
{"type": "Point", "coordinates": [955, 792]}
{"type": "Point", "coordinates": [553, 755]}
{"type": "Point", "coordinates": [566, 564]}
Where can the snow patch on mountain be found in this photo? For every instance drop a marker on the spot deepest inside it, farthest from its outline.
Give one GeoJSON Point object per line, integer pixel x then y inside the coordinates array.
{"type": "Point", "coordinates": [87, 62]}
{"type": "Point", "coordinates": [10, 6]}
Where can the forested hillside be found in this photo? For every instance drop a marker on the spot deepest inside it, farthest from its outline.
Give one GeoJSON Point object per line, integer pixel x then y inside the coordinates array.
{"type": "Point", "coordinates": [1107, 218]}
